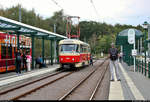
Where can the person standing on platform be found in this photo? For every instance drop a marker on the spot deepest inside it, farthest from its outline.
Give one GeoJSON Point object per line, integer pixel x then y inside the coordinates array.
{"type": "Point", "coordinates": [24, 61]}
{"type": "Point", "coordinates": [113, 55]}
{"type": "Point", "coordinates": [29, 58]}
{"type": "Point", "coordinates": [91, 60]}
{"type": "Point", "coordinates": [18, 62]}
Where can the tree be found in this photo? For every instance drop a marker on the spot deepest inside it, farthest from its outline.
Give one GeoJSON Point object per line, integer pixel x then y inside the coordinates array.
{"type": "Point", "coordinates": [59, 20]}
{"type": "Point", "coordinates": [98, 35]}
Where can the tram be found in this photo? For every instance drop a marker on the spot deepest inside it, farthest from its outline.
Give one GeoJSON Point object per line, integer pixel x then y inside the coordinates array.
{"type": "Point", "coordinates": [8, 48]}
{"type": "Point", "coordinates": [73, 53]}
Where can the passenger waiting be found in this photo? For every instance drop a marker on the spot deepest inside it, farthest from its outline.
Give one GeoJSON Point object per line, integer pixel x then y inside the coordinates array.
{"type": "Point", "coordinates": [29, 58]}
{"type": "Point", "coordinates": [24, 61]}
{"type": "Point", "coordinates": [39, 61]}
{"type": "Point", "coordinates": [91, 60]}
{"type": "Point", "coordinates": [18, 62]}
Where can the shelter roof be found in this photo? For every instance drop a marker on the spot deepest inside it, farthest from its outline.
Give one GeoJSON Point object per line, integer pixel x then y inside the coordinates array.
{"type": "Point", "coordinates": [138, 33]}
{"type": "Point", "coordinates": [15, 26]}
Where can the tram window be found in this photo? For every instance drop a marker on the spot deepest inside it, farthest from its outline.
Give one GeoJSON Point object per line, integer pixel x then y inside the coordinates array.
{"type": "Point", "coordinates": [81, 48]}
{"type": "Point", "coordinates": [77, 48]}
{"type": "Point", "coordinates": [69, 48]}
{"type": "Point", "coordinates": [84, 49]}
{"type": "Point", "coordinates": [3, 52]}
{"type": "Point", "coordinates": [88, 49]}
{"type": "Point", "coordinates": [10, 52]}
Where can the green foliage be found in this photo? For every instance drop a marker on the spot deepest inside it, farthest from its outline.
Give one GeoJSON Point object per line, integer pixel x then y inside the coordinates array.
{"type": "Point", "coordinates": [98, 35]}
{"type": "Point", "coordinates": [104, 43]}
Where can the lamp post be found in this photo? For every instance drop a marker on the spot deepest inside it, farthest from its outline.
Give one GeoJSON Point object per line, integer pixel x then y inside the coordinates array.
{"type": "Point", "coordinates": [145, 25]}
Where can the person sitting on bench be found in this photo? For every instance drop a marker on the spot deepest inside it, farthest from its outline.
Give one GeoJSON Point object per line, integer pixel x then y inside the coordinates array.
{"type": "Point", "coordinates": [39, 61]}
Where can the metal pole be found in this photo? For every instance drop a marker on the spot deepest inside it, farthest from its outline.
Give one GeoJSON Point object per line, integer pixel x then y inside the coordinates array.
{"type": "Point", "coordinates": [148, 39]}
{"type": "Point", "coordinates": [138, 46]}
{"type": "Point", "coordinates": [134, 57]}
{"type": "Point", "coordinates": [145, 50]}
{"type": "Point", "coordinates": [43, 47]}
{"type": "Point", "coordinates": [51, 52]}
{"type": "Point", "coordinates": [54, 28]}
{"type": "Point", "coordinates": [57, 51]}
{"type": "Point", "coordinates": [149, 70]}
{"type": "Point", "coordinates": [32, 51]}
{"type": "Point", "coordinates": [54, 50]}
{"type": "Point", "coordinates": [141, 46]}
{"type": "Point", "coordinates": [18, 45]}
{"type": "Point", "coordinates": [20, 13]}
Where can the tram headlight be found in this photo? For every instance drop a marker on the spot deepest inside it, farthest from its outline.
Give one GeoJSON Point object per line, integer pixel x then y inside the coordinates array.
{"type": "Point", "coordinates": [61, 59]}
{"type": "Point", "coordinates": [73, 59]}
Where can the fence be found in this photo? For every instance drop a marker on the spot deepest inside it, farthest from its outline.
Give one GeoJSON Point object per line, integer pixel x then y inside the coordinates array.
{"type": "Point", "coordinates": [142, 67]}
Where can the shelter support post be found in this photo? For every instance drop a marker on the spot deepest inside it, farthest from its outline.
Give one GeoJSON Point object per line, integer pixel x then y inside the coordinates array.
{"type": "Point", "coordinates": [43, 49]}
{"type": "Point", "coordinates": [51, 50]}
{"type": "Point", "coordinates": [138, 49]}
{"type": "Point", "coordinates": [134, 56]}
{"type": "Point", "coordinates": [32, 51]}
{"type": "Point", "coordinates": [55, 53]}
{"type": "Point", "coordinates": [18, 44]}
{"type": "Point", "coordinates": [57, 49]}
{"type": "Point", "coordinates": [141, 45]}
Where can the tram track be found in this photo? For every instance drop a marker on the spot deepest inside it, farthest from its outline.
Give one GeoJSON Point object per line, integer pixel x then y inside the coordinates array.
{"type": "Point", "coordinates": [98, 85]}
{"type": "Point", "coordinates": [37, 88]}
{"type": "Point", "coordinates": [31, 82]}
{"type": "Point", "coordinates": [28, 83]}
{"type": "Point", "coordinates": [67, 94]}
{"type": "Point", "coordinates": [23, 94]}
{"type": "Point", "coordinates": [11, 90]}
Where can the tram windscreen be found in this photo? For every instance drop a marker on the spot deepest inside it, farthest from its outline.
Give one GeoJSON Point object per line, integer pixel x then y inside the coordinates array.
{"type": "Point", "coordinates": [69, 48]}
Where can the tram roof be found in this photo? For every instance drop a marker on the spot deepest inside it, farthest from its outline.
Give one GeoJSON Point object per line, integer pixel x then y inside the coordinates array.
{"type": "Point", "coordinates": [12, 25]}
{"type": "Point", "coordinates": [73, 41]}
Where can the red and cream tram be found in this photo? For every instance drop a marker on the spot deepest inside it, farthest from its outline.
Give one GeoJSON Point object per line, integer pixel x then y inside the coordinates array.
{"type": "Point", "coordinates": [74, 53]}
{"type": "Point", "coordinates": [8, 47]}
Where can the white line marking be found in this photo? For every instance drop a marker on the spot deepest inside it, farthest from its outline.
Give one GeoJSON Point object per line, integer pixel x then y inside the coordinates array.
{"type": "Point", "coordinates": [116, 92]}
{"type": "Point", "coordinates": [134, 90]}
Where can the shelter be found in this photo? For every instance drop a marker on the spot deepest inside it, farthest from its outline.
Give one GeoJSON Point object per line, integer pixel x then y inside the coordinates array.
{"type": "Point", "coordinates": [122, 40]}
{"type": "Point", "coordinates": [18, 28]}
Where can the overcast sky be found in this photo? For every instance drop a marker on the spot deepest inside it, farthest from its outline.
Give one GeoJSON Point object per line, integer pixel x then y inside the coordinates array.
{"type": "Point", "coordinates": [131, 12]}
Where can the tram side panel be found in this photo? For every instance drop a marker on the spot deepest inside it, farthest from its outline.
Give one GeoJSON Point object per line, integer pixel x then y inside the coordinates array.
{"type": "Point", "coordinates": [75, 60]}
{"type": "Point", "coordinates": [8, 48]}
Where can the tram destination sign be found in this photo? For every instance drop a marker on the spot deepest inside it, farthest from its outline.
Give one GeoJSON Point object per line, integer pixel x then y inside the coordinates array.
{"type": "Point", "coordinates": [131, 36]}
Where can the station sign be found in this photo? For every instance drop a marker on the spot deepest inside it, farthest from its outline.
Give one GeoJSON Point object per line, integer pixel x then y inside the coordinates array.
{"type": "Point", "coordinates": [131, 36]}
{"type": "Point", "coordinates": [134, 52]}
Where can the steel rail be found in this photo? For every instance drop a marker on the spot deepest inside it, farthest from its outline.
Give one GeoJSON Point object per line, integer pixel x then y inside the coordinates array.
{"type": "Point", "coordinates": [26, 93]}
{"type": "Point", "coordinates": [12, 89]}
{"type": "Point", "coordinates": [20, 86]}
{"type": "Point", "coordinates": [81, 81]}
{"type": "Point", "coordinates": [98, 83]}
{"type": "Point", "coordinates": [39, 87]}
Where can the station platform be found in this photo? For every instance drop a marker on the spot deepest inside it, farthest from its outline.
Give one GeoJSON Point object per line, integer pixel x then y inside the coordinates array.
{"type": "Point", "coordinates": [133, 85]}
{"type": "Point", "coordinates": [12, 77]}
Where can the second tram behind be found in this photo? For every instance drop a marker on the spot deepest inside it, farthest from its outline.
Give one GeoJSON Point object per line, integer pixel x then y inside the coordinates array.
{"type": "Point", "coordinates": [74, 53]}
